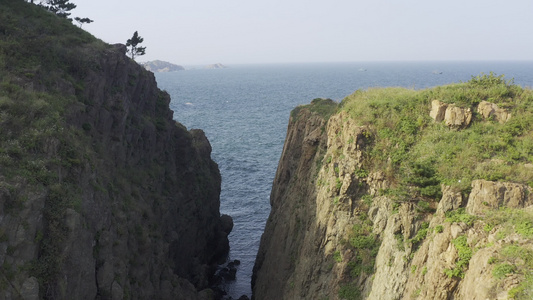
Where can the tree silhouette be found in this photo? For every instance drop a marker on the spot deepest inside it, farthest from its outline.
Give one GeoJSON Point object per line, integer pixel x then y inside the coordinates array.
{"type": "Point", "coordinates": [60, 7]}
{"type": "Point", "coordinates": [133, 43]}
{"type": "Point", "coordinates": [83, 20]}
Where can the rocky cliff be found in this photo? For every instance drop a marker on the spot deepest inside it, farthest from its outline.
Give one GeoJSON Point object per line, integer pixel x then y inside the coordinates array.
{"type": "Point", "coordinates": [383, 200]}
{"type": "Point", "coordinates": [102, 194]}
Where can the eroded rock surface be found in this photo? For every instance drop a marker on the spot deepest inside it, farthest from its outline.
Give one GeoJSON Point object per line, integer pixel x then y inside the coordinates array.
{"type": "Point", "coordinates": [315, 244]}
{"type": "Point", "coordinates": [130, 207]}
{"type": "Point", "coordinates": [490, 110]}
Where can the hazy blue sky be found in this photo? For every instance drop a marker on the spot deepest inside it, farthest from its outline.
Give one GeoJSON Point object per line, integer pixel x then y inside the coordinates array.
{"type": "Point", "coordinates": [275, 31]}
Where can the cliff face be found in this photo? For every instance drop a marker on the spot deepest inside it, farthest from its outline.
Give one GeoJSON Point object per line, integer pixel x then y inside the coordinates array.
{"type": "Point", "coordinates": [102, 194]}
{"type": "Point", "coordinates": [345, 225]}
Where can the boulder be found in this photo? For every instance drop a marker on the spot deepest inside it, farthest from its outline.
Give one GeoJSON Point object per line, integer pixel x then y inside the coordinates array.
{"type": "Point", "coordinates": [438, 109]}
{"type": "Point", "coordinates": [457, 117]}
{"type": "Point", "coordinates": [490, 110]}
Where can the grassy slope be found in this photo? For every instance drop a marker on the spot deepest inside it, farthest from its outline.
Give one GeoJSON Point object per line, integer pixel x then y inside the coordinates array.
{"type": "Point", "coordinates": [34, 46]}
{"type": "Point", "coordinates": [39, 60]}
{"type": "Point", "coordinates": [416, 150]}
{"type": "Point", "coordinates": [418, 155]}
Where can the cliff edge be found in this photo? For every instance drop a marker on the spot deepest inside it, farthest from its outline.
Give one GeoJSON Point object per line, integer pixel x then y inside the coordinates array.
{"type": "Point", "coordinates": [102, 194]}
{"type": "Point", "coordinates": [403, 194]}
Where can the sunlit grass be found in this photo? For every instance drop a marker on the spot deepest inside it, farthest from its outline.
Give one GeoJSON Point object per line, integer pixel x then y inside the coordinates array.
{"type": "Point", "coordinates": [404, 135]}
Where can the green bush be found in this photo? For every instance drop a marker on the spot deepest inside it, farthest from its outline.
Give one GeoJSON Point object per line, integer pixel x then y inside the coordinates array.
{"type": "Point", "coordinates": [323, 107]}
{"type": "Point", "coordinates": [421, 234]}
{"type": "Point", "coordinates": [501, 270]}
{"type": "Point", "coordinates": [464, 255]}
{"type": "Point", "coordinates": [460, 215]}
{"type": "Point", "coordinates": [349, 292]}
{"type": "Point", "coordinates": [337, 256]}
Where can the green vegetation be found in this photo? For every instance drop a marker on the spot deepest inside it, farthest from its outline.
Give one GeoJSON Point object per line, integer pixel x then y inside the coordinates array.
{"type": "Point", "coordinates": [337, 256]}
{"type": "Point", "coordinates": [365, 245]}
{"type": "Point", "coordinates": [512, 221]}
{"type": "Point", "coordinates": [323, 107]}
{"type": "Point", "coordinates": [420, 235]}
{"type": "Point", "coordinates": [58, 87]}
{"type": "Point", "coordinates": [465, 254]}
{"type": "Point", "coordinates": [60, 7]}
{"type": "Point", "coordinates": [44, 61]}
{"type": "Point", "coordinates": [501, 270]}
{"type": "Point", "coordinates": [34, 43]}
{"type": "Point", "coordinates": [418, 153]}
{"type": "Point", "coordinates": [515, 259]}
{"type": "Point", "coordinates": [460, 215]}
{"type": "Point", "coordinates": [133, 45]}
{"type": "Point", "coordinates": [349, 292]}
{"type": "Point", "coordinates": [39, 58]}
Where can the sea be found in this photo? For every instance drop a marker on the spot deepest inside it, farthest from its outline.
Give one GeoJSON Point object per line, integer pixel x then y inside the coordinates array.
{"type": "Point", "coordinates": [244, 111]}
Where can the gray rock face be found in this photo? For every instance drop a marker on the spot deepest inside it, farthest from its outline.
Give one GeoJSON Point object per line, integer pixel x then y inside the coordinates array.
{"type": "Point", "coordinates": [30, 289]}
{"type": "Point", "coordinates": [133, 214]}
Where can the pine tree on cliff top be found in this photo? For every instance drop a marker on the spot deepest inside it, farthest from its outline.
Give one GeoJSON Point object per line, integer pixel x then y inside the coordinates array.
{"type": "Point", "coordinates": [133, 43]}
{"type": "Point", "coordinates": [60, 7]}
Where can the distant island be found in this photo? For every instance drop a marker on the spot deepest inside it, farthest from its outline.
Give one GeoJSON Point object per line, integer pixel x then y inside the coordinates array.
{"type": "Point", "coordinates": [161, 66]}
{"type": "Point", "coordinates": [216, 66]}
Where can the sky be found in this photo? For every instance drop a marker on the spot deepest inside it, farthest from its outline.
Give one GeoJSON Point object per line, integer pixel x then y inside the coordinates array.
{"type": "Point", "coordinates": [198, 32]}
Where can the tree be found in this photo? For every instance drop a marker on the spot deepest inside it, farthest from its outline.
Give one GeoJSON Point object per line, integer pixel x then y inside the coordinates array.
{"type": "Point", "coordinates": [83, 20]}
{"type": "Point", "coordinates": [135, 50]}
{"type": "Point", "coordinates": [60, 7]}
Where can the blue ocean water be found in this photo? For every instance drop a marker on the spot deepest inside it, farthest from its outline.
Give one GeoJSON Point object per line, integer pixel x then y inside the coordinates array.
{"type": "Point", "coordinates": [244, 111]}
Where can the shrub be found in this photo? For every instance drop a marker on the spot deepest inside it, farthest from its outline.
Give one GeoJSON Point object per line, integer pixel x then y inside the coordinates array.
{"type": "Point", "coordinates": [323, 107]}
{"type": "Point", "coordinates": [349, 292]}
{"type": "Point", "coordinates": [460, 215]}
{"type": "Point", "coordinates": [501, 270]}
{"type": "Point", "coordinates": [464, 255]}
{"type": "Point", "coordinates": [421, 234]}
{"type": "Point", "coordinates": [337, 256]}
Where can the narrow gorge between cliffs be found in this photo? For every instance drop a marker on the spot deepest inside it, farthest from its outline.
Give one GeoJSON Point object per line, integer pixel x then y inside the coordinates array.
{"type": "Point", "coordinates": [389, 180]}
{"type": "Point", "coordinates": [244, 111]}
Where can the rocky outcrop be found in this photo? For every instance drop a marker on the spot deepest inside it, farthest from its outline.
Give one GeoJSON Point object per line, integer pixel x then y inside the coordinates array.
{"type": "Point", "coordinates": [216, 66]}
{"type": "Point", "coordinates": [161, 66]}
{"type": "Point", "coordinates": [438, 110]}
{"type": "Point", "coordinates": [123, 202]}
{"type": "Point", "coordinates": [490, 110]}
{"type": "Point", "coordinates": [453, 116]}
{"type": "Point", "coordinates": [333, 233]}
{"type": "Point", "coordinates": [489, 195]}
{"type": "Point", "coordinates": [457, 118]}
